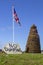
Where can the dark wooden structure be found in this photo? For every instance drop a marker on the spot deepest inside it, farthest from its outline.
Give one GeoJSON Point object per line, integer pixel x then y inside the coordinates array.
{"type": "Point", "coordinates": [33, 42]}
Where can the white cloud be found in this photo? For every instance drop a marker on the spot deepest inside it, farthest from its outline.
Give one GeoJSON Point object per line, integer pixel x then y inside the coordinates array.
{"type": "Point", "coordinates": [9, 28]}
{"type": "Point", "coordinates": [5, 28]}
{"type": "Point", "coordinates": [2, 29]}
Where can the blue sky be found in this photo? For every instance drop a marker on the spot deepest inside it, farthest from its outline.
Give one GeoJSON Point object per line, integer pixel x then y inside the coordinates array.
{"type": "Point", "coordinates": [29, 12]}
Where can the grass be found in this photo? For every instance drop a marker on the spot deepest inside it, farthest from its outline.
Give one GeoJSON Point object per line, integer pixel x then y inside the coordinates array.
{"type": "Point", "coordinates": [22, 59]}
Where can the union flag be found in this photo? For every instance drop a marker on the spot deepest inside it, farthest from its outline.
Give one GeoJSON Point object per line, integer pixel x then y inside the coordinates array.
{"type": "Point", "coordinates": [16, 17]}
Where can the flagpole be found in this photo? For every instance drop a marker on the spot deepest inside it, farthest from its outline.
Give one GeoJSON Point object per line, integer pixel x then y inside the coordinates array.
{"type": "Point", "coordinates": [13, 21]}
{"type": "Point", "coordinates": [16, 18]}
{"type": "Point", "coordinates": [13, 31]}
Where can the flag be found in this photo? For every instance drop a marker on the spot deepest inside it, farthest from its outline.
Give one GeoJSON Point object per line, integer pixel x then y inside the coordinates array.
{"type": "Point", "coordinates": [16, 17]}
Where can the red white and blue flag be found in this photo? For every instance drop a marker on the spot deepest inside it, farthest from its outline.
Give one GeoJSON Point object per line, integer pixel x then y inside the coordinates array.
{"type": "Point", "coordinates": [15, 17]}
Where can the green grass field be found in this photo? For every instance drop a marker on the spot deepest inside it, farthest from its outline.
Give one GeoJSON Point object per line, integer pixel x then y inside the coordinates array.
{"type": "Point", "coordinates": [21, 59]}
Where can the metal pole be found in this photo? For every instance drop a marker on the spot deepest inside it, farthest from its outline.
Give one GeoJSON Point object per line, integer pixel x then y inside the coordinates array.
{"type": "Point", "coordinates": [13, 31]}
{"type": "Point", "coordinates": [13, 21]}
